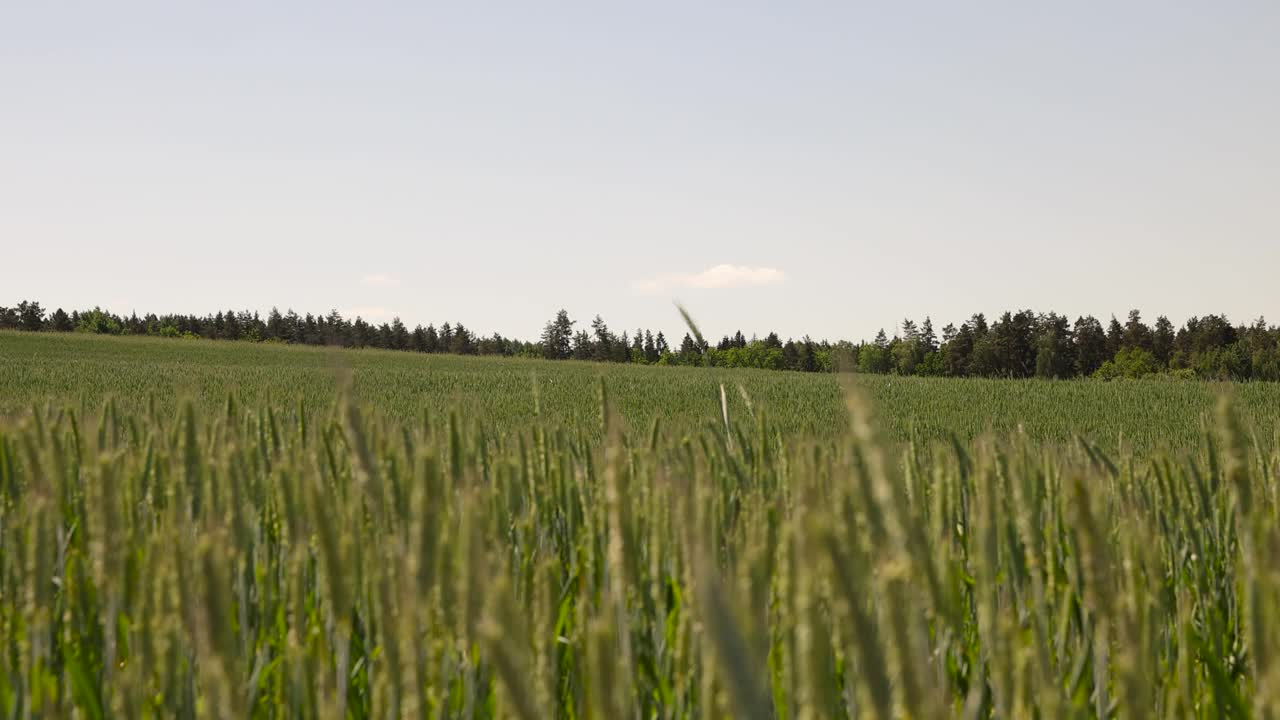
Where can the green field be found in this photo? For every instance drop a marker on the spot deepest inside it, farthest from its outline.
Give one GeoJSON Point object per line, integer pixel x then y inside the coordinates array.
{"type": "Point", "coordinates": [496, 394]}
{"type": "Point", "coordinates": [202, 529]}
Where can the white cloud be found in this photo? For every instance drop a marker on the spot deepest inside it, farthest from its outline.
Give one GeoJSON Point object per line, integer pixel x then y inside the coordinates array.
{"type": "Point", "coordinates": [370, 313]}
{"type": "Point", "coordinates": [379, 280]}
{"type": "Point", "coordinates": [717, 277]}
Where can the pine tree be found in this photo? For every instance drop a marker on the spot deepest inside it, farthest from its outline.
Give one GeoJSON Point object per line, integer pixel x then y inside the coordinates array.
{"type": "Point", "coordinates": [232, 329]}
{"type": "Point", "coordinates": [61, 321]}
{"type": "Point", "coordinates": [309, 330]}
{"type": "Point", "coordinates": [790, 355]}
{"type": "Point", "coordinates": [275, 325]}
{"type": "Point", "coordinates": [621, 349]}
{"type": "Point", "coordinates": [660, 343]}
{"type": "Point", "coordinates": [978, 323]}
{"type": "Point", "coordinates": [1162, 339]}
{"type": "Point", "coordinates": [1055, 357]}
{"type": "Point", "coordinates": [292, 329]}
{"type": "Point", "coordinates": [337, 330]}
{"type": "Point", "coordinates": [557, 337]}
{"type": "Point", "coordinates": [582, 349]}
{"type": "Point", "coordinates": [469, 343]}
{"type": "Point", "coordinates": [1090, 342]}
{"type": "Point", "coordinates": [928, 341]}
{"type": "Point", "coordinates": [958, 352]}
{"type": "Point", "coordinates": [399, 335]}
{"type": "Point", "coordinates": [1115, 337]}
{"type": "Point", "coordinates": [30, 316]}
{"type": "Point", "coordinates": [806, 360]}
{"type": "Point", "coordinates": [361, 333]}
{"type": "Point", "coordinates": [602, 340]}
{"type": "Point", "coordinates": [909, 331]}
{"type": "Point", "coordinates": [688, 348]}
{"type": "Point", "coordinates": [1136, 333]}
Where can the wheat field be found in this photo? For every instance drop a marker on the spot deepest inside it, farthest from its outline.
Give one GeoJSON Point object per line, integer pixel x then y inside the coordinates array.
{"type": "Point", "coordinates": [206, 530]}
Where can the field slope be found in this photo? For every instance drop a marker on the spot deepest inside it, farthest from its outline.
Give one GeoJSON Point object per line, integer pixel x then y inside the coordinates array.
{"type": "Point", "coordinates": [82, 371]}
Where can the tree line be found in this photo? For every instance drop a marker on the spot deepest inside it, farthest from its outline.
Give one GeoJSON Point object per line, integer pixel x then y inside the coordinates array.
{"type": "Point", "coordinates": [1021, 344]}
{"type": "Point", "coordinates": [1026, 344]}
{"type": "Point", "coordinates": [288, 327]}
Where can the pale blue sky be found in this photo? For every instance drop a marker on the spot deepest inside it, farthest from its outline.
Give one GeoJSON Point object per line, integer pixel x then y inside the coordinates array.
{"type": "Point", "coordinates": [492, 162]}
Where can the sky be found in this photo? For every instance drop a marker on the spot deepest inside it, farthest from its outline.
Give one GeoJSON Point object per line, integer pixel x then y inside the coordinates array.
{"type": "Point", "coordinates": [814, 168]}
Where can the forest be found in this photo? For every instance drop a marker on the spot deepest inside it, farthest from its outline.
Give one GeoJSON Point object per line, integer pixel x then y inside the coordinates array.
{"type": "Point", "coordinates": [1021, 344]}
